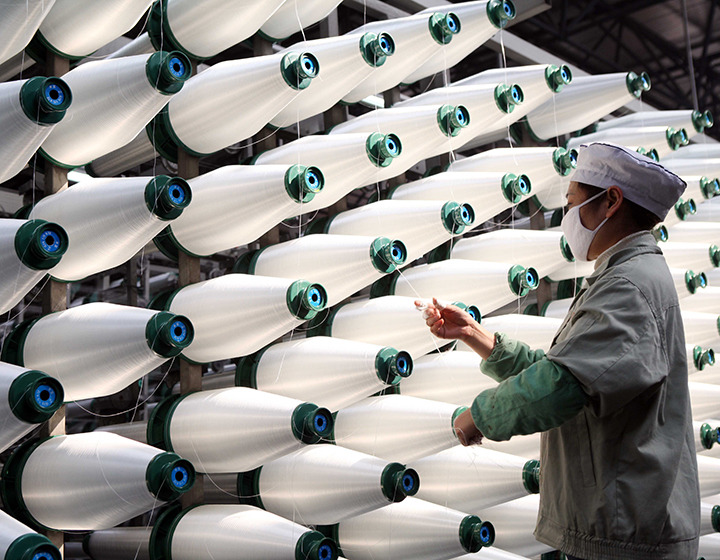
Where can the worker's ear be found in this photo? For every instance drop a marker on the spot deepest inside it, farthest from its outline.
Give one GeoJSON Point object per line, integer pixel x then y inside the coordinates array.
{"type": "Point", "coordinates": [614, 199]}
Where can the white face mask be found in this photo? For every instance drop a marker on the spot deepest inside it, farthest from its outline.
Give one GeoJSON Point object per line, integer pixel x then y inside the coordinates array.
{"type": "Point", "coordinates": [577, 235]}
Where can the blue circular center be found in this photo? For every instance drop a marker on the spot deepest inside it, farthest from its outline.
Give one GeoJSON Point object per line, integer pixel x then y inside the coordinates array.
{"type": "Point", "coordinates": [308, 65]}
{"type": "Point", "coordinates": [384, 44]}
{"type": "Point", "coordinates": [711, 357]}
{"type": "Point", "coordinates": [177, 67]}
{"type": "Point", "coordinates": [460, 116]}
{"type": "Point", "coordinates": [312, 181]}
{"type": "Point", "coordinates": [315, 298]}
{"type": "Point", "coordinates": [717, 433]}
{"type": "Point", "coordinates": [180, 477]}
{"type": "Point", "coordinates": [465, 215]}
{"type": "Point", "coordinates": [54, 94]}
{"type": "Point", "coordinates": [703, 280]}
{"type": "Point", "coordinates": [178, 331]}
{"type": "Point", "coordinates": [663, 235]}
{"type": "Point", "coordinates": [397, 252]}
{"type": "Point", "coordinates": [45, 396]}
{"type": "Point", "coordinates": [472, 313]}
{"type": "Point", "coordinates": [573, 159]}
{"type": "Point", "coordinates": [508, 9]}
{"type": "Point", "coordinates": [515, 94]}
{"type": "Point", "coordinates": [683, 136]}
{"type": "Point", "coordinates": [691, 206]}
{"type": "Point", "coordinates": [645, 82]}
{"type": "Point", "coordinates": [408, 483]}
{"type": "Point", "coordinates": [485, 534]}
{"type": "Point", "coordinates": [523, 185]}
{"type": "Point", "coordinates": [564, 75]}
{"type": "Point", "coordinates": [530, 277]}
{"type": "Point", "coordinates": [452, 23]}
{"type": "Point", "coordinates": [177, 194]}
{"type": "Point", "coordinates": [401, 364]}
{"type": "Point", "coordinates": [321, 422]}
{"type": "Point", "coordinates": [43, 556]}
{"type": "Point", "coordinates": [50, 241]}
{"type": "Point", "coordinates": [325, 552]}
{"type": "Point", "coordinates": [391, 146]}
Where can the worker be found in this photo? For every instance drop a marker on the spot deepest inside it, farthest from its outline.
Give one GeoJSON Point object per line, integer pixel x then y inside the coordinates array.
{"type": "Point", "coordinates": [619, 472]}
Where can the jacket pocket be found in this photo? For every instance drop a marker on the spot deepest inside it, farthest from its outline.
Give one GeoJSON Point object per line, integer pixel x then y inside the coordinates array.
{"type": "Point", "coordinates": [585, 449]}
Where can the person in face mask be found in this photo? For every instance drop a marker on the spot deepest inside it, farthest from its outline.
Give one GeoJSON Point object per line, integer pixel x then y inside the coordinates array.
{"type": "Point", "coordinates": [619, 474]}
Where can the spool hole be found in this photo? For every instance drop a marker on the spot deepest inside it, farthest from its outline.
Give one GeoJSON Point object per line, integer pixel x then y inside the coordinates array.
{"type": "Point", "coordinates": [50, 241]}
{"type": "Point", "coordinates": [315, 298]}
{"type": "Point", "coordinates": [308, 65]}
{"type": "Point", "coordinates": [397, 254]}
{"type": "Point", "coordinates": [179, 477]}
{"type": "Point", "coordinates": [391, 146]}
{"type": "Point", "coordinates": [54, 94]}
{"type": "Point", "coordinates": [451, 23]}
{"type": "Point", "coordinates": [321, 423]}
{"type": "Point", "coordinates": [325, 552]}
{"type": "Point", "coordinates": [472, 314]}
{"type": "Point", "coordinates": [44, 396]}
{"type": "Point", "coordinates": [484, 535]}
{"type": "Point", "coordinates": [402, 365]}
{"type": "Point", "coordinates": [384, 44]}
{"type": "Point", "coordinates": [177, 67]}
{"type": "Point", "coordinates": [177, 194]}
{"type": "Point", "coordinates": [178, 331]}
{"type": "Point", "coordinates": [408, 483]}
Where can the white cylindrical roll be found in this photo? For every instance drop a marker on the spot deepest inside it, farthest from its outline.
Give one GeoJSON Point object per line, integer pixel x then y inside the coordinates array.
{"type": "Point", "coordinates": [694, 122]}
{"type": "Point", "coordinates": [348, 161]}
{"type": "Point", "coordinates": [709, 548]}
{"type": "Point", "coordinates": [216, 307]}
{"type": "Point", "coordinates": [324, 484]}
{"type": "Point", "coordinates": [536, 332]}
{"type": "Point", "coordinates": [493, 553]}
{"type": "Point", "coordinates": [329, 371]}
{"type": "Point", "coordinates": [694, 256]}
{"type": "Point", "coordinates": [701, 328]}
{"type": "Point", "coordinates": [473, 478]}
{"type": "Point", "coordinates": [134, 430]}
{"type": "Point", "coordinates": [491, 285]}
{"type": "Point", "coordinates": [704, 301]}
{"type": "Point", "coordinates": [557, 309]}
{"type": "Point", "coordinates": [707, 211]}
{"type": "Point", "coordinates": [704, 150]}
{"type": "Point", "coordinates": [451, 377]}
{"type": "Point", "coordinates": [522, 446]}
{"type": "Point", "coordinates": [701, 166]}
{"type": "Point", "coordinates": [705, 399]}
{"type": "Point", "coordinates": [236, 204]}
{"type": "Point", "coordinates": [110, 220]}
{"type": "Point", "coordinates": [545, 251]}
{"type": "Point", "coordinates": [343, 264]}
{"type": "Point", "coordinates": [18, 23]}
{"type": "Point", "coordinates": [709, 475]}
{"type": "Point", "coordinates": [19, 541]}
{"type": "Point", "coordinates": [293, 16]}
{"type": "Point", "coordinates": [662, 139]}
{"type": "Point", "coordinates": [412, 530]}
{"type": "Point", "coordinates": [417, 38]}
{"type": "Point", "coordinates": [77, 28]}
{"type": "Point", "coordinates": [239, 429]}
{"type": "Point", "coordinates": [93, 481]}
{"type": "Point", "coordinates": [421, 224]}
{"type": "Point", "coordinates": [688, 282]}
{"type": "Point", "coordinates": [27, 398]}
{"type": "Point", "coordinates": [514, 524]}
{"type": "Point", "coordinates": [29, 111]}
{"type": "Point", "coordinates": [138, 150]}
{"type": "Point", "coordinates": [709, 518]}
{"type": "Point", "coordinates": [572, 270]}
{"type": "Point", "coordinates": [122, 543]}
{"type": "Point", "coordinates": [113, 100]}
{"type": "Point", "coordinates": [99, 348]}
{"type": "Point", "coordinates": [584, 101]}
{"type": "Point", "coordinates": [28, 249]}
{"type": "Point", "coordinates": [345, 62]}
{"type": "Point", "coordinates": [695, 232]}
{"type": "Point", "coordinates": [389, 427]}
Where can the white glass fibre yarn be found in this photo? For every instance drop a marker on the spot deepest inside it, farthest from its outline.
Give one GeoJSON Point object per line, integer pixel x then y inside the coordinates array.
{"type": "Point", "coordinates": [421, 224]}
{"type": "Point", "coordinates": [294, 15]}
{"type": "Point", "coordinates": [705, 400]}
{"type": "Point", "coordinates": [120, 543]}
{"type": "Point", "coordinates": [544, 250]}
{"type": "Point", "coordinates": [113, 100]}
{"type": "Point", "coordinates": [19, 20]}
{"type": "Point", "coordinates": [698, 151]}
{"type": "Point", "coordinates": [410, 530]}
{"type": "Point", "coordinates": [473, 478]}
{"type": "Point", "coordinates": [585, 100]}
{"type": "Point", "coordinates": [325, 484]}
{"type": "Point", "coordinates": [557, 309]}
{"type": "Point", "coordinates": [709, 167]}
{"type": "Point", "coordinates": [688, 119]}
{"type": "Point", "coordinates": [694, 256]}
{"type": "Point", "coordinates": [135, 430]}
{"type": "Point", "coordinates": [94, 350]}
{"type": "Point", "coordinates": [343, 158]}
{"type": "Point", "coordinates": [709, 548]}
{"type": "Point", "coordinates": [536, 332]}
{"type": "Point", "coordinates": [414, 44]}
{"type": "Point", "coordinates": [388, 427]}
{"type": "Point", "coordinates": [521, 446]}
{"type": "Point", "coordinates": [708, 475]}
{"type": "Point", "coordinates": [77, 28]}
{"type": "Point", "coordinates": [514, 524]}
{"type": "Point", "coordinates": [343, 264]}
{"type": "Point", "coordinates": [663, 139]}
{"type": "Point", "coordinates": [707, 211]}
{"type": "Point", "coordinates": [108, 220]}
{"type": "Point", "coordinates": [704, 301]}
{"type": "Point", "coordinates": [236, 204]}
{"type": "Point", "coordinates": [12, 535]}
{"type": "Point", "coordinates": [344, 63]}
{"type": "Point", "coordinates": [216, 307]}
{"type": "Point", "coordinates": [707, 516]}
{"type": "Point", "coordinates": [139, 149]}
{"type": "Point", "coordinates": [701, 328]}
{"type": "Point", "coordinates": [572, 270]}
{"type": "Point", "coordinates": [492, 553]}
{"type": "Point", "coordinates": [233, 430]}
{"type": "Point", "coordinates": [450, 377]}
{"type": "Point", "coordinates": [328, 371]}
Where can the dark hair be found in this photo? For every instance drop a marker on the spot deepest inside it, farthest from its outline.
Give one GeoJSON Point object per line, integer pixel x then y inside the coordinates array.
{"type": "Point", "coordinates": [642, 217]}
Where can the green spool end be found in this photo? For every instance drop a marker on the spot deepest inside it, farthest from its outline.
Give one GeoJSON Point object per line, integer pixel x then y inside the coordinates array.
{"type": "Point", "coordinates": [564, 161]}
{"type": "Point", "coordinates": [683, 208]}
{"type": "Point", "coordinates": [311, 424]}
{"type": "Point", "coordinates": [398, 482]}
{"type": "Point", "coordinates": [387, 254]}
{"type": "Point", "coordinates": [45, 100]}
{"type": "Point", "coordinates": [716, 518]}
{"type": "Point", "coordinates": [313, 545]}
{"type": "Point", "coordinates": [383, 148]}
{"type": "Point", "coordinates": [515, 187]}
{"type": "Point", "coordinates": [392, 365]}
{"type": "Point", "coordinates": [452, 119]}
{"type": "Point", "coordinates": [522, 280]}
{"type": "Point", "coordinates": [167, 197]}
{"type": "Point", "coordinates": [305, 300]}
{"type": "Point", "coordinates": [660, 233]}
{"type": "Point", "coordinates": [499, 12]}
{"type": "Point", "coordinates": [376, 48]}
{"type": "Point", "coordinates": [248, 488]}
{"type": "Point", "coordinates": [508, 96]}
{"type": "Point", "coordinates": [637, 84]}
{"type": "Point", "coordinates": [162, 531]}
{"type": "Point", "coordinates": [531, 476]}
{"type": "Point", "coordinates": [456, 217]}
{"type": "Point", "coordinates": [167, 72]}
{"type": "Point", "coordinates": [443, 27]}
{"type": "Point", "coordinates": [32, 546]}
{"type": "Point", "coordinates": [11, 483]}
{"type": "Point", "coordinates": [35, 396]}
{"type": "Point", "coordinates": [168, 334]}
{"type": "Point", "coordinates": [676, 138]}
{"type": "Point", "coordinates": [701, 120]}
{"type": "Point", "coordinates": [565, 250]}
{"type": "Point", "coordinates": [299, 69]}
{"type": "Point", "coordinates": [302, 183]}
{"type": "Point", "coordinates": [709, 187]}
{"type": "Point", "coordinates": [557, 76]}
{"type": "Point", "coordinates": [40, 245]}
{"type": "Point", "coordinates": [168, 476]}
{"type": "Point", "coordinates": [708, 436]}
{"type": "Point", "coordinates": [476, 534]}
{"type": "Point", "coordinates": [693, 281]}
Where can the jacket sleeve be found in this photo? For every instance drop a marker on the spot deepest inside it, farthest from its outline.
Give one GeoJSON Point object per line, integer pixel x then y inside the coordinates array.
{"type": "Point", "coordinates": [509, 357]}
{"type": "Point", "coordinates": [544, 396]}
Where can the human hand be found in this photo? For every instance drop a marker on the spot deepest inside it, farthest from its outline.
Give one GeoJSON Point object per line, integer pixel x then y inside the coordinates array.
{"type": "Point", "coordinates": [446, 321]}
{"type": "Point", "coordinates": [466, 430]}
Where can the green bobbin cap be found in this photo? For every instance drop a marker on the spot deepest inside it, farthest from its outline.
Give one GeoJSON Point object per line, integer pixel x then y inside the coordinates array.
{"type": "Point", "coordinates": [160, 33]}
{"type": "Point", "coordinates": [709, 187]}
{"type": "Point", "coordinates": [310, 423]}
{"type": "Point", "coordinates": [564, 161]}
{"type": "Point", "coordinates": [708, 436]}
{"type": "Point", "coordinates": [248, 488]}
{"type": "Point", "coordinates": [701, 120]}
{"type": "Point", "coordinates": [168, 71]}
{"type": "Point", "coordinates": [474, 312]}
{"type": "Point", "coordinates": [499, 12]}
{"type": "Point", "coordinates": [32, 546]}
{"type": "Point", "coordinates": [35, 396]}
{"type": "Point", "coordinates": [565, 250]}
{"type": "Point", "coordinates": [331, 532]}
{"type": "Point", "coordinates": [399, 482]}
{"type": "Point", "coordinates": [637, 84]}
{"type": "Point", "coordinates": [313, 545]}
{"type": "Point", "coordinates": [508, 96]}
{"type": "Point", "coordinates": [515, 187]}
{"type": "Point", "coordinates": [392, 365]}
{"type": "Point", "coordinates": [707, 358]}
{"type": "Point", "coordinates": [660, 233]}
{"type": "Point", "coordinates": [384, 286]}
{"type": "Point", "coordinates": [557, 76]}
{"type": "Point", "coordinates": [387, 254]}
{"type": "Point", "coordinates": [683, 208]}
{"type": "Point", "coordinates": [163, 530]}
{"type": "Point", "coordinates": [531, 309]}
{"type": "Point", "coordinates": [162, 137]}
{"type": "Point", "coordinates": [45, 100]}
{"type": "Point", "coordinates": [383, 148]}
{"type": "Point", "coordinates": [556, 217]}
{"type": "Point", "coordinates": [167, 197]}
{"type": "Point", "coordinates": [458, 411]}
{"type": "Point", "coordinates": [305, 300]}
{"type": "Point", "coordinates": [522, 280]}
{"type": "Point", "coordinates": [715, 255]}
{"type": "Point", "coordinates": [693, 281]}
{"type": "Point", "coordinates": [39, 244]}
{"type": "Point", "coordinates": [715, 519]}
{"type": "Point", "coordinates": [299, 69]}
{"type": "Point", "coordinates": [11, 483]}
{"type": "Point", "coordinates": [246, 369]}
{"type": "Point", "coordinates": [168, 476]}
{"type": "Point", "coordinates": [568, 288]}
{"type": "Point", "coordinates": [456, 217]}
{"type": "Point", "coordinates": [13, 348]}
{"type": "Point", "coordinates": [531, 476]}
{"type": "Point", "coordinates": [476, 534]}
{"type": "Point", "coordinates": [302, 183]}
{"type": "Point", "coordinates": [168, 334]}
{"type": "Point", "coordinates": [157, 432]}
{"type": "Point", "coordinates": [444, 26]}
{"type": "Point", "coordinates": [452, 119]}
{"type": "Point", "coordinates": [676, 138]}
{"type": "Point", "coordinates": [376, 48]}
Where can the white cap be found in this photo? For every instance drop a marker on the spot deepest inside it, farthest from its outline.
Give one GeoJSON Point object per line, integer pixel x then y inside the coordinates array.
{"type": "Point", "coordinates": [641, 180]}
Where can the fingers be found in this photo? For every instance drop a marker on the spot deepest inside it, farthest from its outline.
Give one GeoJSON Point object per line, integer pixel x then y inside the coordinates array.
{"type": "Point", "coordinates": [438, 328]}
{"type": "Point", "coordinates": [437, 304]}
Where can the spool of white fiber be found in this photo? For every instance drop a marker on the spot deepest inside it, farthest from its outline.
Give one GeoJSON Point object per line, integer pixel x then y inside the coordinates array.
{"type": "Point", "coordinates": [708, 475]}
{"type": "Point", "coordinates": [576, 269]}
{"type": "Point", "coordinates": [557, 309]}
{"type": "Point", "coordinates": [99, 348]}
{"type": "Point", "coordinates": [704, 301]}
{"type": "Point", "coordinates": [324, 484]}
{"type": "Point", "coordinates": [19, 541]}
{"type": "Point", "coordinates": [90, 481]}
{"type": "Point", "coordinates": [522, 446]}
{"type": "Point", "coordinates": [694, 122]}
{"type": "Point", "coordinates": [700, 188]}
{"type": "Point", "coordinates": [705, 399]}
{"type": "Point", "coordinates": [663, 139]}
{"type": "Point", "coordinates": [698, 151]}
{"type": "Point", "coordinates": [113, 101]}
{"type": "Point", "coordinates": [701, 328]}
{"type": "Point", "coordinates": [708, 211]}
{"type": "Point", "coordinates": [388, 427]}
{"type": "Point", "coordinates": [139, 149]}
{"type": "Point", "coordinates": [216, 307]}
{"type": "Point", "coordinates": [18, 23]}
{"type": "Point", "coordinates": [109, 220]}
{"type": "Point", "coordinates": [536, 332]}
{"type": "Point", "coordinates": [28, 249]}
{"type": "Point", "coordinates": [293, 16]}
{"type": "Point", "coordinates": [489, 554]}
{"type": "Point", "coordinates": [709, 548]}
{"type": "Point", "coordinates": [710, 167]}
{"type": "Point", "coordinates": [696, 256]}
{"type": "Point", "coordinates": [120, 543]}
{"type": "Point", "coordinates": [709, 518]}
{"type": "Point", "coordinates": [29, 111]}
{"type": "Point", "coordinates": [325, 370]}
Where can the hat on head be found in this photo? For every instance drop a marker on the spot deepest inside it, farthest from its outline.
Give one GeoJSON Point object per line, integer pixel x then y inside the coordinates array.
{"type": "Point", "coordinates": [641, 180]}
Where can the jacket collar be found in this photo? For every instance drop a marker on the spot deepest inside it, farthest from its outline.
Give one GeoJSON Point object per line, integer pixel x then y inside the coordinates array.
{"type": "Point", "coordinates": [634, 244]}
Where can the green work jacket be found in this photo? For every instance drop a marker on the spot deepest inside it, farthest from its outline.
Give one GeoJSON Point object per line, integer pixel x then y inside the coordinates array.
{"type": "Point", "coordinates": [619, 471]}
